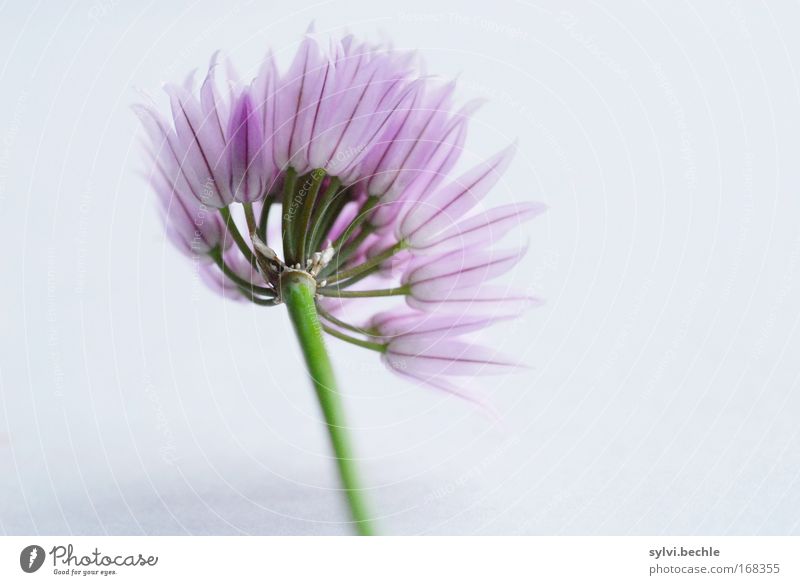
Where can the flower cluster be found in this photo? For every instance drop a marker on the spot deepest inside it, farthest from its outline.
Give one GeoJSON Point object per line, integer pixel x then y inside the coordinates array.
{"type": "Point", "coordinates": [338, 167]}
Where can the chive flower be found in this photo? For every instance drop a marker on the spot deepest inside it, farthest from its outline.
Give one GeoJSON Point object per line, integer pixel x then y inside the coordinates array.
{"type": "Point", "coordinates": [327, 188]}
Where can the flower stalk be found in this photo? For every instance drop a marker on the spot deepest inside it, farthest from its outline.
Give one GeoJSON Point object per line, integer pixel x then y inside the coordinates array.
{"type": "Point", "coordinates": [369, 266]}
{"type": "Point", "coordinates": [357, 294]}
{"type": "Point", "coordinates": [298, 290]}
{"type": "Point", "coordinates": [233, 232]}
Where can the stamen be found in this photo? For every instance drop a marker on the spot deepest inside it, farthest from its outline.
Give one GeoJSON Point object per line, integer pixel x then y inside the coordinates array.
{"type": "Point", "coordinates": [320, 260]}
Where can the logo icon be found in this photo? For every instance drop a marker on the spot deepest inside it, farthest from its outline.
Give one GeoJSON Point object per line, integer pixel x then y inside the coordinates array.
{"type": "Point", "coordinates": [31, 558]}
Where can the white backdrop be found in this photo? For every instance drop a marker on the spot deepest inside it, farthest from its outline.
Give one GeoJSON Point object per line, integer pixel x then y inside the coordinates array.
{"type": "Point", "coordinates": [662, 395]}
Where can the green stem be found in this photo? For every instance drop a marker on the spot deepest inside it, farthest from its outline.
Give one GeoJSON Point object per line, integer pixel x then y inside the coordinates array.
{"type": "Point", "coordinates": [258, 294]}
{"type": "Point", "coordinates": [289, 211]}
{"type": "Point", "coordinates": [360, 218]}
{"type": "Point", "coordinates": [379, 347]}
{"type": "Point", "coordinates": [270, 302]}
{"type": "Point", "coordinates": [344, 254]}
{"type": "Point", "coordinates": [298, 291]}
{"type": "Point", "coordinates": [250, 217]}
{"type": "Point", "coordinates": [331, 203]}
{"type": "Point", "coordinates": [369, 264]}
{"type": "Point", "coordinates": [264, 219]}
{"type": "Point", "coordinates": [351, 281]}
{"type": "Point", "coordinates": [317, 175]}
{"type": "Point", "coordinates": [343, 324]}
{"type": "Point", "coordinates": [354, 294]}
{"type": "Point", "coordinates": [230, 226]}
{"type": "Point", "coordinates": [216, 255]}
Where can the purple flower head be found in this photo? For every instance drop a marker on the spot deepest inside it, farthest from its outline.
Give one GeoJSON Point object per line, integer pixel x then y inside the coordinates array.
{"type": "Point", "coordinates": [338, 167]}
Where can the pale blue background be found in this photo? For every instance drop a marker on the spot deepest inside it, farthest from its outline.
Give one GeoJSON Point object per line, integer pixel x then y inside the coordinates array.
{"type": "Point", "coordinates": [663, 395]}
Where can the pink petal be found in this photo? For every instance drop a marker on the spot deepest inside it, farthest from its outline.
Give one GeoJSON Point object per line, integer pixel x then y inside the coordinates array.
{"type": "Point", "coordinates": [248, 178]}
{"type": "Point", "coordinates": [198, 227]}
{"type": "Point", "coordinates": [487, 299]}
{"type": "Point", "coordinates": [200, 147]}
{"type": "Point", "coordinates": [406, 146]}
{"type": "Point", "coordinates": [392, 324]}
{"type": "Point", "coordinates": [194, 227]}
{"type": "Point", "coordinates": [436, 211]}
{"type": "Point", "coordinates": [210, 101]}
{"type": "Point", "coordinates": [395, 266]}
{"type": "Point", "coordinates": [481, 229]}
{"type": "Point", "coordinates": [343, 220]}
{"type": "Point", "coordinates": [442, 275]}
{"type": "Point", "coordinates": [162, 146]}
{"type": "Point", "coordinates": [295, 106]}
{"type": "Point", "coordinates": [264, 91]}
{"type": "Point", "coordinates": [359, 102]}
{"type": "Point", "coordinates": [442, 158]}
{"type": "Point", "coordinates": [445, 358]}
{"type": "Point", "coordinates": [242, 267]}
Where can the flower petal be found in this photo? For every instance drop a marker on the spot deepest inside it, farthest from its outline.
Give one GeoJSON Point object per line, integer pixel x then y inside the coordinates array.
{"type": "Point", "coordinates": [487, 299]}
{"type": "Point", "coordinates": [296, 99]}
{"type": "Point", "coordinates": [445, 358]}
{"type": "Point", "coordinates": [200, 147]}
{"type": "Point", "coordinates": [195, 228]}
{"type": "Point", "coordinates": [483, 228]}
{"type": "Point", "coordinates": [447, 205]}
{"type": "Point", "coordinates": [406, 145]}
{"type": "Point", "coordinates": [248, 177]}
{"type": "Point", "coordinates": [192, 226]}
{"type": "Point", "coordinates": [442, 158]}
{"type": "Point", "coordinates": [264, 92]}
{"type": "Point", "coordinates": [397, 323]}
{"type": "Point", "coordinates": [440, 276]}
{"type": "Point", "coordinates": [367, 89]}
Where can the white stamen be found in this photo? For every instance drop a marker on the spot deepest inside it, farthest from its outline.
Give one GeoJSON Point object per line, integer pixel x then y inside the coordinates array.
{"type": "Point", "coordinates": [320, 260]}
{"type": "Point", "coordinates": [327, 254]}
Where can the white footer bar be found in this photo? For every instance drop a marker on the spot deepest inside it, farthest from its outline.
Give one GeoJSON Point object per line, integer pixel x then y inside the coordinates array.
{"type": "Point", "coordinates": [388, 560]}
